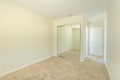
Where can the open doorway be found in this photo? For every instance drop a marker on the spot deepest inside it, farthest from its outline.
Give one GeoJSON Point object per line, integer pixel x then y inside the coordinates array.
{"type": "Point", "coordinates": [69, 42]}
{"type": "Point", "coordinates": [96, 42]}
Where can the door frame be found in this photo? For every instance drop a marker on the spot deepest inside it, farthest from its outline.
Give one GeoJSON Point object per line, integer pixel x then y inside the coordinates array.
{"type": "Point", "coordinates": [58, 36]}
{"type": "Point", "coordinates": [89, 39]}
{"type": "Point", "coordinates": [79, 19]}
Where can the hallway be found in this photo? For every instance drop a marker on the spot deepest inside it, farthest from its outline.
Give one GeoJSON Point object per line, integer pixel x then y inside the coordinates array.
{"type": "Point", "coordinates": [64, 67]}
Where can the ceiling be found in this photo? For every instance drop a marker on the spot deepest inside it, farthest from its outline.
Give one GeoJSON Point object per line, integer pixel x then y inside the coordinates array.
{"type": "Point", "coordinates": [63, 8]}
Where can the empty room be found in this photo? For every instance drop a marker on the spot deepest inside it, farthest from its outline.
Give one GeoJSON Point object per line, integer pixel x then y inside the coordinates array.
{"type": "Point", "coordinates": [59, 40]}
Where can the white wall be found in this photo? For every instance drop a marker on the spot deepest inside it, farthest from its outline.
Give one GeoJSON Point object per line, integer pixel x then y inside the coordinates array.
{"type": "Point", "coordinates": [64, 39]}
{"type": "Point", "coordinates": [24, 37]}
{"type": "Point", "coordinates": [105, 39]}
{"type": "Point", "coordinates": [113, 40]}
{"type": "Point", "coordinates": [84, 42]}
{"type": "Point", "coordinates": [76, 38]}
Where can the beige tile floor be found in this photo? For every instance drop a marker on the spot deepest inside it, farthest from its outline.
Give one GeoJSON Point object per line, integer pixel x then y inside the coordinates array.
{"type": "Point", "coordinates": [64, 67]}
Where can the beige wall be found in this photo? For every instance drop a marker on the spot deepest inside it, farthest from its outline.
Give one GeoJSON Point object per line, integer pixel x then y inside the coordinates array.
{"type": "Point", "coordinates": [113, 40]}
{"type": "Point", "coordinates": [76, 38]}
{"type": "Point", "coordinates": [64, 39]}
{"type": "Point", "coordinates": [24, 37]}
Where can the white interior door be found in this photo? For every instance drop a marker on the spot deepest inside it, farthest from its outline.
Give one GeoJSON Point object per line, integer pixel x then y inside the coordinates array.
{"type": "Point", "coordinates": [96, 38]}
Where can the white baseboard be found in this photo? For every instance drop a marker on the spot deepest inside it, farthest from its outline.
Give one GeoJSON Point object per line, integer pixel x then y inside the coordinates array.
{"type": "Point", "coordinates": [108, 70]}
{"type": "Point", "coordinates": [24, 66]}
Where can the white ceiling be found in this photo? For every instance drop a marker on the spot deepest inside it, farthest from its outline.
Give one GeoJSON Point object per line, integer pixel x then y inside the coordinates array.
{"type": "Point", "coordinates": [63, 8]}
